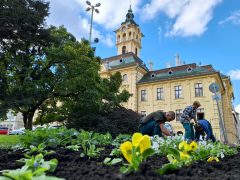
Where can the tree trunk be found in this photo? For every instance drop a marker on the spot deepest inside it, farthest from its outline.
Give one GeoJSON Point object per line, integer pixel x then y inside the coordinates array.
{"type": "Point", "coordinates": [27, 119]}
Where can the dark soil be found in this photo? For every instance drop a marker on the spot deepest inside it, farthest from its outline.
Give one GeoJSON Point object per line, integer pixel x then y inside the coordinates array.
{"type": "Point", "coordinates": [72, 166]}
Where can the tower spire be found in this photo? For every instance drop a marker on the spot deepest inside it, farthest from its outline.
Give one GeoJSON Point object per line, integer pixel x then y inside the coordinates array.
{"type": "Point", "coordinates": [130, 17]}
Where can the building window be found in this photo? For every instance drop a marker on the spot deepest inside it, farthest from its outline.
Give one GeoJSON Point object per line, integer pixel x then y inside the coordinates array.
{"type": "Point", "coordinates": [170, 72]}
{"type": "Point", "coordinates": [178, 92]}
{"type": "Point", "coordinates": [159, 93]}
{"type": "Point", "coordinates": [124, 37]}
{"type": "Point", "coordinates": [143, 95]}
{"type": "Point", "coordinates": [198, 89]}
{"type": "Point", "coordinates": [130, 35]}
{"type": "Point", "coordinates": [153, 75]}
{"type": "Point", "coordinates": [124, 78]}
{"type": "Point", "coordinates": [200, 113]}
{"type": "Point", "coordinates": [189, 69]}
{"type": "Point", "coordinates": [123, 49]}
{"type": "Point", "coordinates": [178, 114]}
{"type": "Point", "coordinates": [143, 113]}
{"type": "Point", "coordinates": [136, 51]}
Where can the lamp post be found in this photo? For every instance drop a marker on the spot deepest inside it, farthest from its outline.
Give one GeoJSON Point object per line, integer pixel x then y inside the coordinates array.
{"type": "Point", "coordinates": [93, 8]}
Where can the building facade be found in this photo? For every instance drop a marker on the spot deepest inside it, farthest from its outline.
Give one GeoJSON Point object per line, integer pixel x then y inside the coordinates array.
{"type": "Point", "coordinates": [172, 88]}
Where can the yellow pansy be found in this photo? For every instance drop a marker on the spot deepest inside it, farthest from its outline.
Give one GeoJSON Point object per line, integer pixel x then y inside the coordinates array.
{"type": "Point", "coordinates": [136, 138]}
{"type": "Point", "coordinates": [193, 146]}
{"type": "Point", "coordinates": [184, 156]}
{"type": "Point", "coordinates": [184, 146]}
{"type": "Point", "coordinates": [213, 159]}
{"type": "Point", "coordinates": [126, 149]}
{"type": "Point", "coordinates": [145, 143]}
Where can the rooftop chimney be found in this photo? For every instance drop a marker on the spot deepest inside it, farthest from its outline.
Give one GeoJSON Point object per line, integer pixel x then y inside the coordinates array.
{"type": "Point", "coordinates": [178, 61]}
{"type": "Point", "coordinates": [150, 65]}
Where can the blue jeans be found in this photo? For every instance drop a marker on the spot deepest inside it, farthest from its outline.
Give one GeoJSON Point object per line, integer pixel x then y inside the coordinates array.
{"type": "Point", "coordinates": [189, 131]}
{"type": "Point", "coordinates": [212, 137]}
{"type": "Point", "coordinates": [150, 128]}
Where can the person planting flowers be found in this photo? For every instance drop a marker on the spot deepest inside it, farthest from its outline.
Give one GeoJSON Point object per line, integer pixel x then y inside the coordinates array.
{"type": "Point", "coordinates": [153, 124]}
{"type": "Point", "coordinates": [204, 126]}
{"type": "Point", "coordinates": [188, 114]}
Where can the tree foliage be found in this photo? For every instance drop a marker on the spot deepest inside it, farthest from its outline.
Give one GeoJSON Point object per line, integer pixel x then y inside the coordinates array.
{"type": "Point", "coordinates": [46, 69]}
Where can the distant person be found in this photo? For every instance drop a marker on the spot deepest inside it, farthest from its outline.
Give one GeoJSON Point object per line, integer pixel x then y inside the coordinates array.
{"type": "Point", "coordinates": [204, 126]}
{"type": "Point", "coordinates": [188, 114]}
{"type": "Point", "coordinates": [153, 124]}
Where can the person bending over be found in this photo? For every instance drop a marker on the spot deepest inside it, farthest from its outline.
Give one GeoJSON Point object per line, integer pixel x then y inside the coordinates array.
{"type": "Point", "coordinates": [153, 124]}
{"type": "Point", "coordinates": [204, 126]}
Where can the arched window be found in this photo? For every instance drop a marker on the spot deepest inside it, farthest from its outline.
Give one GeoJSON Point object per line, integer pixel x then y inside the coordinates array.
{"type": "Point", "coordinates": [123, 49]}
{"type": "Point", "coordinates": [124, 37]}
{"type": "Point", "coordinates": [124, 78]}
{"type": "Point", "coordinates": [136, 51]}
{"type": "Point", "coordinates": [129, 35]}
{"type": "Point", "coordinates": [136, 37]}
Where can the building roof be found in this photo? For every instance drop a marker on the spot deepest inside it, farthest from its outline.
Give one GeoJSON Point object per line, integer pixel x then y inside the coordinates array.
{"type": "Point", "coordinates": [123, 60]}
{"type": "Point", "coordinates": [130, 18]}
{"type": "Point", "coordinates": [186, 70]}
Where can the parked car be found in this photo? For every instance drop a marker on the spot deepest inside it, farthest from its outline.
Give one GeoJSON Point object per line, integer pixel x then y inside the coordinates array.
{"type": "Point", "coordinates": [3, 130]}
{"type": "Point", "coordinates": [17, 131]}
{"type": "Point", "coordinates": [170, 128]}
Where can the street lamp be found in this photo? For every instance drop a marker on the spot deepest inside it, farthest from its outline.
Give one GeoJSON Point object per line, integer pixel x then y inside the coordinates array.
{"type": "Point", "coordinates": [93, 8]}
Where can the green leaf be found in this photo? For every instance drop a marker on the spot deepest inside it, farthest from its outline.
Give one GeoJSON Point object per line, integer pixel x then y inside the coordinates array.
{"type": "Point", "coordinates": [107, 160]}
{"type": "Point", "coordinates": [82, 155]}
{"type": "Point", "coordinates": [116, 160]}
{"type": "Point", "coordinates": [4, 178]}
{"type": "Point", "coordinates": [166, 168]}
{"type": "Point", "coordinates": [148, 152]}
{"type": "Point", "coordinates": [174, 152]}
{"type": "Point", "coordinates": [44, 177]}
{"type": "Point", "coordinates": [22, 173]}
{"type": "Point", "coordinates": [39, 171]}
{"type": "Point", "coordinates": [126, 170]}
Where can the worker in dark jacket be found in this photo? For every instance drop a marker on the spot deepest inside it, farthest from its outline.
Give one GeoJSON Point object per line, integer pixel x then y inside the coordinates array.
{"type": "Point", "coordinates": [203, 126]}
{"type": "Point", "coordinates": [153, 124]}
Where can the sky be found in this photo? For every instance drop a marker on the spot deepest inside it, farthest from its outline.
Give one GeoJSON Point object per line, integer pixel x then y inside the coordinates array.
{"type": "Point", "coordinates": [200, 31]}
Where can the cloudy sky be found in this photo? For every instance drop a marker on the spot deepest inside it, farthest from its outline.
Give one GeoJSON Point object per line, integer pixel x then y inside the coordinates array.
{"type": "Point", "coordinates": [200, 31]}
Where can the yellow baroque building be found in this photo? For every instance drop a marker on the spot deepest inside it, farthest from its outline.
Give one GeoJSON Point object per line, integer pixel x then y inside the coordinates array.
{"type": "Point", "coordinates": [172, 88]}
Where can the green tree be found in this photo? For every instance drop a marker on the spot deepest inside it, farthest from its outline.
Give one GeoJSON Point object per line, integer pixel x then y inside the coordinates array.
{"type": "Point", "coordinates": [112, 98]}
{"type": "Point", "coordinates": [36, 63]}
{"type": "Point", "coordinates": [22, 38]}
{"type": "Point", "coordinates": [41, 67]}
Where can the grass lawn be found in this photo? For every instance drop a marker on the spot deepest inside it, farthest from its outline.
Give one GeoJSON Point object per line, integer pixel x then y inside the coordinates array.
{"type": "Point", "coordinates": [6, 141]}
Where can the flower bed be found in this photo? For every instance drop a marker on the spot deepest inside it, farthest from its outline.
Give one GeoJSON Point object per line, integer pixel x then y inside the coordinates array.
{"type": "Point", "coordinates": [75, 163]}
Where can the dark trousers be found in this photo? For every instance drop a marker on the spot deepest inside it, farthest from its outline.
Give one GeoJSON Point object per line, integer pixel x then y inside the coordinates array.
{"type": "Point", "coordinates": [151, 128]}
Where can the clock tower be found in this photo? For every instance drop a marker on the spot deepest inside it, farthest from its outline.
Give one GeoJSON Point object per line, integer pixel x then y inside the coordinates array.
{"type": "Point", "coordinates": [129, 36]}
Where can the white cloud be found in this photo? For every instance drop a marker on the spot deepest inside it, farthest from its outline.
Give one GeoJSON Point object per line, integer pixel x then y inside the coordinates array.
{"type": "Point", "coordinates": [187, 17]}
{"type": "Point", "coordinates": [191, 16]}
{"type": "Point", "coordinates": [237, 108]}
{"type": "Point", "coordinates": [171, 8]}
{"type": "Point", "coordinates": [234, 74]}
{"type": "Point", "coordinates": [68, 13]}
{"type": "Point", "coordinates": [112, 12]}
{"type": "Point", "coordinates": [234, 18]}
